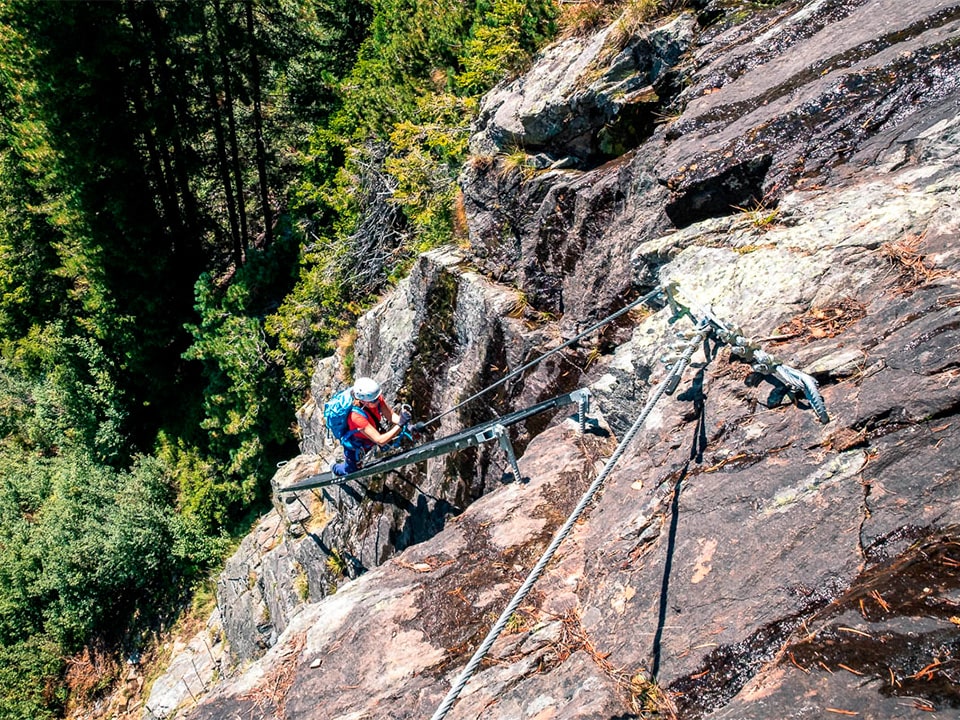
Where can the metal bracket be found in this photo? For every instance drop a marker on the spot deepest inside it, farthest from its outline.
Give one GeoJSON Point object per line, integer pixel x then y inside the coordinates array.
{"type": "Point", "coordinates": [748, 350]}
{"type": "Point", "coordinates": [458, 441]}
{"type": "Point", "coordinates": [503, 436]}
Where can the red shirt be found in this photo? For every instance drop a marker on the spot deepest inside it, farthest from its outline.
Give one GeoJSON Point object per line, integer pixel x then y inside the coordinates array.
{"type": "Point", "coordinates": [362, 416]}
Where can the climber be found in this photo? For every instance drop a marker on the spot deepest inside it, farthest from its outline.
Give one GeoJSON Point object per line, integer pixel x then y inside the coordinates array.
{"type": "Point", "coordinates": [369, 414]}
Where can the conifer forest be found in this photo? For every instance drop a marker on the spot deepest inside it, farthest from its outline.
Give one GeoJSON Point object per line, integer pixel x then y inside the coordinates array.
{"type": "Point", "coordinates": [197, 198]}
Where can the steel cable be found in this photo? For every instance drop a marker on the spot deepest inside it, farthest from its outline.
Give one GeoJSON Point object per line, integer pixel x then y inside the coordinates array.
{"type": "Point", "coordinates": [625, 309]}
{"type": "Point", "coordinates": [676, 370]}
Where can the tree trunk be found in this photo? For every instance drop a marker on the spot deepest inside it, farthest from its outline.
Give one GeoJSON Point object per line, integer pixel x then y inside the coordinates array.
{"type": "Point", "coordinates": [223, 165]}
{"type": "Point", "coordinates": [174, 121]}
{"type": "Point", "coordinates": [258, 131]}
{"type": "Point", "coordinates": [157, 162]}
{"type": "Point", "coordinates": [234, 138]}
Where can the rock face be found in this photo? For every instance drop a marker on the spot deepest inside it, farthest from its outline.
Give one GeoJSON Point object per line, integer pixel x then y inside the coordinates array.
{"type": "Point", "coordinates": [445, 334]}
{"type": "Point", "coordinates": [743, 560]}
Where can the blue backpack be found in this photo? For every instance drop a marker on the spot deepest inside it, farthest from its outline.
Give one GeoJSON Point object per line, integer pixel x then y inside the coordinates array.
{"type": "Point", "coordinates": [336, 411]}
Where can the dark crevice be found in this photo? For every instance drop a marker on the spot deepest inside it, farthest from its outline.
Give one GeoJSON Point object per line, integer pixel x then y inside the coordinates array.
{"type": "Point", "coordinates": [883, 423]}
{"type": "Point", "coordinates": [864, 518]}
{"type": "Point", "coordinates": [948, 412]}
{"type": "Point", "coordinates": [720, 195]}
{"type": "Point", "coordinates": [879, 550]}
{"type": "Point", "coordinates": [903, 654]}
{"type": "Point", "coordinates": [726, 670]}
{"type": "Point", "coordinates": [894, 419]}
{"type": "Point", "coordinates": [939, 303]}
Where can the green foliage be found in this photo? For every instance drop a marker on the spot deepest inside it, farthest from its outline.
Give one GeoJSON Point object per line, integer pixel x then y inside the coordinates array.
{"type": "Point", "coordinates": [28, 288]}
{"type": "Point", "coordinates": [244, 409]}
{"type": "Point", "coordinates": [759, 215]}
{"type": "Point", "coordinates": [502, 39]}
{"type": "Point", "coordinates": [204, 496]}
{"type": "Point", "coordinates": [61, 394]}
{"type": "Point", "coordinates": [102, 541]}
{"type": "Point", "coordinates": [337, 564]}
{"type": "Point", "coordinates": [415, 84]}
{"type": "Point", "coordinates": [317, 43]}
{"type": "Point", "coordinates": [25, 486]}
{"type": "Point", "coordinates": [411, 52]}
{"type": "Point", "coordinates": [309, 320]}
{"type": "Point", "coordinates": [192, 209]}
{"type": "Point", "coordinates": [30, 673]}
{"type": "Point", "coordinates": [517, 160]}
{"type": "Point", "coordinates": [319, 162]}
{"type": "Point", "coordinates": [424, 162]}
{"type": "Point", "coordinates": [301, 583]}
{"type": "Point", "coordinates": [83, 545]}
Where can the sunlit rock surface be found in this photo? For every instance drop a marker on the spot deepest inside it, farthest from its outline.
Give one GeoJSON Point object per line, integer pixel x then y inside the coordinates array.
{"type": "Point", "coordinates": [743, 560]}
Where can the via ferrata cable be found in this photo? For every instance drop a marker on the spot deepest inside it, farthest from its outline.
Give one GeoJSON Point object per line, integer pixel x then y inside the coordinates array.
{"type": "Point", "coordinates": [650, 296]}
{"type": "Point", "coordinates": [665, 387]}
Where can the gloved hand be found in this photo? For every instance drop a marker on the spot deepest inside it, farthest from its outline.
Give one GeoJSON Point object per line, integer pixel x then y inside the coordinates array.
{"type": "Point", "coordinates": [418, 427]}
{"type": "Point", "coordinates": [405, 417]}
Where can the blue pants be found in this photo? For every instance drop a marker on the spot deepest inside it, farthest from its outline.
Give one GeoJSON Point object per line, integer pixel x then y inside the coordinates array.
{"type": "Point", "coordinates": [352, 461]}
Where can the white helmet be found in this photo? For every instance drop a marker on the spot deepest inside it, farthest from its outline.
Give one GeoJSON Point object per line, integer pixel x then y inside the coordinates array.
{"type": "Point", "coordinates": [366, 389]}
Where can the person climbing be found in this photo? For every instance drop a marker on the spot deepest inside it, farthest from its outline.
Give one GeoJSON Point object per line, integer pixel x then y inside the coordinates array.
{"type": "Point", "coordinates": [369, 414]}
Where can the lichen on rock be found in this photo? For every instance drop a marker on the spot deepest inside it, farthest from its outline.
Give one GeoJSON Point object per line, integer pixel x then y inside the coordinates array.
{"type": "Point", "coordinates": [805, 189]}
